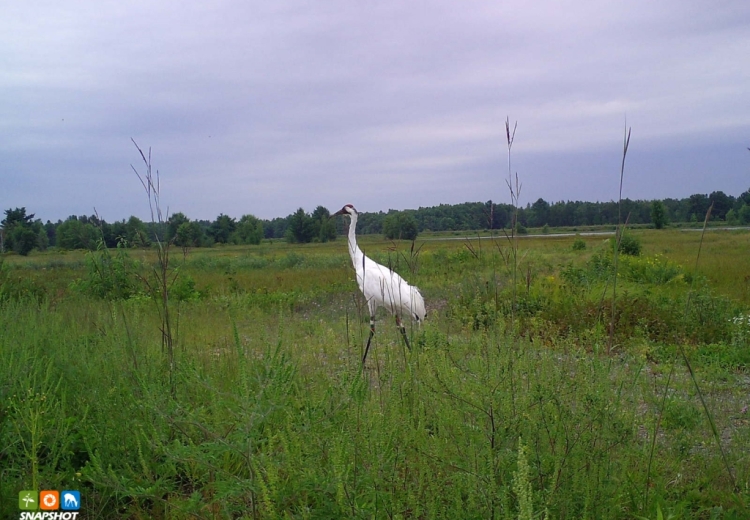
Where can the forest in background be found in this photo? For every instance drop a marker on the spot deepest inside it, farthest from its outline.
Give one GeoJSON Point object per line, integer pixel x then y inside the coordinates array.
{"type": "Point", "coordinates": [22, 232]}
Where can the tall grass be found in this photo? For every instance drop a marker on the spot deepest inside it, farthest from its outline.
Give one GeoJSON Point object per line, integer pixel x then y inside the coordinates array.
{"type": "Point", "coordinates": [514, 188]}
{"type": "Point", "coordinates": [162, 276]}
{"type": "Point", "coordinates": [618, 241]}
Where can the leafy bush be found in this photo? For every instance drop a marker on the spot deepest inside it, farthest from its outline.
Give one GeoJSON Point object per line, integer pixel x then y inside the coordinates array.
{"type": "Point", "coordinates": [655, 270]}
{"type": "Point", "coordinates": [598, 268]}
{"type": "Point", "coordinates": [579, 245]}
{"type": "Point", "coordinates": [183, 289]}
{"type": "Point", "coordinates": [110, 277]}
{"type": "Point", "coordinates": [629, 245]}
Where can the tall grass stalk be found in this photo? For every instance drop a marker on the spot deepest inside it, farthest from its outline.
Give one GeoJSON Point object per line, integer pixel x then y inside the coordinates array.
{"type": "Point", "coordinates": [515, 192]}
{"type": "Point", "coordinates": [618, 239]}
{"type": "Point", "coordinates": [688, 365]}
{"type": "Point", "coordinates": [514, 188]}
{"type": "Point", "coordinates": [163, 276]}
{"type": "Point", "coordinates": [685, 358]}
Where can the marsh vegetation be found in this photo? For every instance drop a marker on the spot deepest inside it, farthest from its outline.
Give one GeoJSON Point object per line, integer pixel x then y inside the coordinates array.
{"type": "Point", "coordinates": [263, 410]}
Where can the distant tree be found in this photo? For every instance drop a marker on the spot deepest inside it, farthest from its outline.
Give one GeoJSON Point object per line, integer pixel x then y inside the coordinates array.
{"type": "Point", "coordinates": [658, 215]}
{"type": "Point", "coordinates": [320, 212]}
{"type": "Point", "coordinates": [249, 230]}
{"type": "Point", "coordinates": [722, 204]}
{"type": "Point", "coordinates": [276, 228]}
{"type": "Point", "coordinates": [116, 234]}
{"type": "Point", "coordinates": [539, 213]}
{"type": "Point", "coordinates": [174, 222]}
{"type": "Point", "coordinates": [744, 198]}
{"type": "Point", "coordinates": [324, 228]}
{"type": "Point", "coordinates": [301, 228]}
{"type": "Point", "coordinates": [673, 209]}
{"type": "Point", "coordinates": [135, 233]}
{"type": "Point", "coordinates": [222, 228]}
{"type": "Point", "coordinates": [72, 234]}
{"type": "Point", "coordinates": [400, 225]}
{"type": "Point", "coordinates": [189, 234]}
{"type": "Point", "coordinates": [13, 218]}
{"type": "Point", "coordinates": [368, 224]}
{"type": "Point", "coordinates": [24, 239]}
{"type": "Point", "coordinates": [744, 214]}
{"type": "Point", "coordinates": [697, 207]}
{"type": "Point", "coordinates": [50, 230]}
{"type": "Point", "coordinates": [42, 240]}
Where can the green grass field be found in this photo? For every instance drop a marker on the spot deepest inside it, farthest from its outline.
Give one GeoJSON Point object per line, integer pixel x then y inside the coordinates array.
{"type": "Point", "coordinates": [263, 410]}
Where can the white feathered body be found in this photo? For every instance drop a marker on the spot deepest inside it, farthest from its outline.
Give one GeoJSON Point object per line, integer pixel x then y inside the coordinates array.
{"type": "Point", "coordinates": [383, 287]}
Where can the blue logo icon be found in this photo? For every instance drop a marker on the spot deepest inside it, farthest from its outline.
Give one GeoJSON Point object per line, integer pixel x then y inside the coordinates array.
{"type": "Point", "coordinates": [70, 500]}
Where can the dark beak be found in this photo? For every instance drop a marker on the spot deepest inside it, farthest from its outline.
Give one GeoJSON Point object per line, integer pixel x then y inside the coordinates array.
{"type": "Point", "coordinates": [339, 212]}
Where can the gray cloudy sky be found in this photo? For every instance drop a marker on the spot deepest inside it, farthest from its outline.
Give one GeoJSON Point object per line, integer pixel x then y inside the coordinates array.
{"type": "Point", "coordinates": [265, 106]}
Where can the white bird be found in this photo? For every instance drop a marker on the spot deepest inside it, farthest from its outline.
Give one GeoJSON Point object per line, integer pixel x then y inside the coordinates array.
{"type": "Point", "coordinates": [381, 286]}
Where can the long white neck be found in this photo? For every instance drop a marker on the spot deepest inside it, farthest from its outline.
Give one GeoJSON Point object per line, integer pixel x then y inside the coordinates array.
{"type": "Point", "coordinates": [354, 251]}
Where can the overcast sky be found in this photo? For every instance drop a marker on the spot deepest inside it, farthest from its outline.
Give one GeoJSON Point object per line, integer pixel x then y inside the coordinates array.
{"type": "Point", "coordinates": [265, 106]}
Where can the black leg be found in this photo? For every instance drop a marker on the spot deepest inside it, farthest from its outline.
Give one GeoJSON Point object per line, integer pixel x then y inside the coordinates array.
{"type": "Point", "coordinates": [403, 332]}
{"type": "Point", "coordinates": [372, 333]}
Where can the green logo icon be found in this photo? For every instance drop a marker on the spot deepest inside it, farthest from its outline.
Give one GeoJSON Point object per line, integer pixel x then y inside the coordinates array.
{"type": "Point", "coordinates": [28, 500]}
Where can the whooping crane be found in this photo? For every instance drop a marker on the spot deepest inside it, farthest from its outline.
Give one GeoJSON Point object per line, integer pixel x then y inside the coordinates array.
{"type": "Point", "coordinates": [381, 286]}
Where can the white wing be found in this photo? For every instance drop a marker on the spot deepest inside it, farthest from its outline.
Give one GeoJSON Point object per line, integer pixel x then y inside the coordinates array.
{"type": "Point", "coordinates": [385, 288]}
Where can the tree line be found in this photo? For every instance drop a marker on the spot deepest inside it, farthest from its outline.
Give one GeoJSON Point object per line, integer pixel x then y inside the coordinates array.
{"type": "Point", "coordinates": [22, 232]}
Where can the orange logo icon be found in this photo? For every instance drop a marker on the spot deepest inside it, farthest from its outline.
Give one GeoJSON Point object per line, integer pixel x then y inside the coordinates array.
{"type": "Point", "coordinates": [49, 500]}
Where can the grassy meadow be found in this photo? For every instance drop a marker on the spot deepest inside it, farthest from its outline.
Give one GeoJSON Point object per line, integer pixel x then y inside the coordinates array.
{"type": "Point", "coordinates": [517, 399]}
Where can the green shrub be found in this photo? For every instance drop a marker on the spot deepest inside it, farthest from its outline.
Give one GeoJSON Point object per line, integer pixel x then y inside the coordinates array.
{"type": "Point", "coordinates": [579, 245]}
{"type": "Point", "coordinates": [183, 289]}
{"type": "Point", "coordinates": [629, 245]}
{"type": "Point", "coordinates": [655, 270]}
{"type": "Point", "coordinates": [110, 277]}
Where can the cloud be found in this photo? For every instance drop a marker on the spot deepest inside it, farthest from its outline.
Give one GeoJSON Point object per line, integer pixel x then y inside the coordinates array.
{"type": "Point", "coordinates": [265, 107]}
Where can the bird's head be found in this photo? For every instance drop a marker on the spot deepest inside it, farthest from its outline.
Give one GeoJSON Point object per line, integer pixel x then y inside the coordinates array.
{"type": "Point", "coordinates": [346, 210]}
